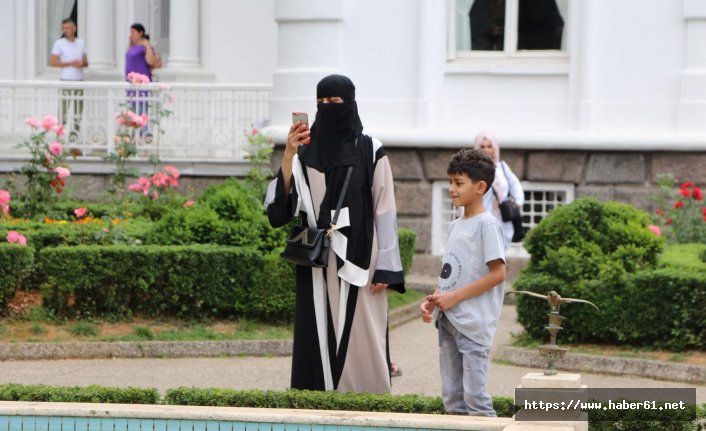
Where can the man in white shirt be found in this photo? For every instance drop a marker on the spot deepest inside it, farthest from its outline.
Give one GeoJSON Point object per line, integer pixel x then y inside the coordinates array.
{"type": "Point", "coordinates": [69, 53]}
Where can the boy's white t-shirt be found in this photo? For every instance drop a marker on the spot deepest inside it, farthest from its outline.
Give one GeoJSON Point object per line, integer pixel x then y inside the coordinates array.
{"type": "Point", "coordinates": [471, 244]}
{"type": "Point", "coordinates": [70, 51]}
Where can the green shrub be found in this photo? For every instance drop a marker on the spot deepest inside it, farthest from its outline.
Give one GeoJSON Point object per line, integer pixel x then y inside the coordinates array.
{"type": "Point", "coordinates": [227, 214]}
{"type": "Point", "coordinates": [677, 297]}
{"type": "Point", "coordinates": [684, 256]}
{"type": "Point", "coordinates": [16, 262]}
{"type": "Point", "coordinates": [89, 394]}
{"type": "Point", "coordinates": [586, 250]}
{"type": "Point", "coordinates": [194, 281]}
{"type": "Point", "coordinates": [406, 238]}
{"type": "Point", "coordinates": [319, 400]}
{"type": "Point", "coordinates": [40, 235]}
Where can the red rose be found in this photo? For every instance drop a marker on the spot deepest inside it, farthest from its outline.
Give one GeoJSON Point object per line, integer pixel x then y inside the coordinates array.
{"type": "Point", "coordinates": [685, 193]}
{"type": "Point", "coordinates": [688, 184]}
{"type": "Point", "coordinates": [696, 194]}
{"type": "Point", "coordinates": [660, 212]}
{"type": "Point", "coordinates": [703, 211]}
{"type": "Point", "coordinates": [668, 221]}
{"type": "Point", "coordinates": [679, 204]}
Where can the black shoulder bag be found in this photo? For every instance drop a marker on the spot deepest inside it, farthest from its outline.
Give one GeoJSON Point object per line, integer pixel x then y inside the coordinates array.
{"type": "Point", "coordinates": [509, 210]}
{"type": "Point", "coordinates": [308, 246]}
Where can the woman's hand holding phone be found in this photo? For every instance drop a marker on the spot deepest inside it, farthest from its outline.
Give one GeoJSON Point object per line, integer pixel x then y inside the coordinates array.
{"type": "Point", "coordinates": [299, 134]}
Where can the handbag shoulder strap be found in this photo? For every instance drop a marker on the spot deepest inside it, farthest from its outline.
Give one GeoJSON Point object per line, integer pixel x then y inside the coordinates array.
{"type": "Point", "coordinates": [343, 191]}
{"type": "Point", "coordinates": [343, 194]}
{"type": "Point", "coordinates": [502, 166]}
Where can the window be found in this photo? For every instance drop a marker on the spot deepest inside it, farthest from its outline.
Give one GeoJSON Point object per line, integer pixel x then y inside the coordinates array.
{"type": "Point", "coordinates": [540, 199]}
{"type": "Point", "coordinates": [509, 28]}
{"type": "Point", "coordinates": [57, 10]}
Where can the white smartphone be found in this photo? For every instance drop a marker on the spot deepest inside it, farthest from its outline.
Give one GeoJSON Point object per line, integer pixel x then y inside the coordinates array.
{"type": "Point", "coordinates": [300, 116]}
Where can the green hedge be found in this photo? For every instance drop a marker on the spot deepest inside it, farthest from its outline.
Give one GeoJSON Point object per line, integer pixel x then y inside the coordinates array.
{"type": "Point", "coordinates": [297, 399]}
{"type": "Point", "coordinates": [187, 281]}
{"type": "Point", "coordinates": [691, 257]}
{"type": "Point", "coordinates": [406, 238]}
{"type": "Point", "coordinates": [677, 297]}
{"type": "Point", "coordinates": [40, 235]}
{"type": "Point", "coordinates": [319, 400]}
{"type": "Point", "coordinates": [587, 250]}
{"type": "Point", "coordinates": [16, 262]}
{"type": "Point", "coordinates": [89, 394]}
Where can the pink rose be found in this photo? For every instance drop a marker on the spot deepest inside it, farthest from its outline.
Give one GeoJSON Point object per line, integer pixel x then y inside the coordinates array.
{"type": "Point", "coordinates": [172, 171]}
{"type": "Point", "coordinates": [80, 212]}
{"type": "Point", "coordinates": [56, 149]}
{"type": "Point", "coordinates": [253, 131]}
{"type": "Point", "coordinates": [655, 229]}
{"type": "Point", "coordinates": [106, 230]}
{"type": "Point", "coordinates": [49, 122]}
{"type": "Point", "coordinates": [160, 179]}
{"type": "Point", "coordinates": [121, 120]}
{"type": "Point", "coordinates": [22, 240]}
{"type": "Point", "coordinates": [62, 172]}
{"type": "Point", "coordinates": [6, 209]}
{"type": "Point", "coordinates": [155, 195]}
{"type": "Point", "coordinates": [58, 130]}
{"type": "Point", "coordinates": [142, 185]}
{"type": "Point", "coordinates": [13, 237]}
{"type": "Point", "coordinates": [33, 122]}
{"type": "Point", "coordinates": [137, 78]}
{"type": "Point", "coordinates": [4, 197]}
{"type": "Point", "coordinates": [189, 203]}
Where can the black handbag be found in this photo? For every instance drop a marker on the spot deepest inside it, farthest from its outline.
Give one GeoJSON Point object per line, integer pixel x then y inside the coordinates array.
{"type": "Point", "coordinates": [309, 246]}
{"type": "Point", "coordinates": [509, 210]}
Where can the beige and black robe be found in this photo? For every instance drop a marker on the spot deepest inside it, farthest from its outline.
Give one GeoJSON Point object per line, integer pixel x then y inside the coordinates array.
{"type": "Point", "coordinates": [340, 327]}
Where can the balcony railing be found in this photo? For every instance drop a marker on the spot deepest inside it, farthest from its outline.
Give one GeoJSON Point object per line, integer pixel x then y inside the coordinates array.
{"type": "Point", "coordinates": [209, 121]}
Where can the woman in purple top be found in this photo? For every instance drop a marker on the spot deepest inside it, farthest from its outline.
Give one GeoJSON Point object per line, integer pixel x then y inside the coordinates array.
{"type": "Point", "coordinates": [139, 58]}
{"type": "Point", "coordinates": [140, 55]}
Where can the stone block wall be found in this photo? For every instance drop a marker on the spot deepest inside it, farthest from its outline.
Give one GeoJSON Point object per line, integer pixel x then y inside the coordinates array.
{"type": "Point", "coordinates": [628, 177]}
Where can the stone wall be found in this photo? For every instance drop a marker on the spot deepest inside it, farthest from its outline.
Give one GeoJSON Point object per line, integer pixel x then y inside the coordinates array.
{"type": "Point", "coordinates": [620, 176]}
{"type": "Point", "coordinates": [628, 177]}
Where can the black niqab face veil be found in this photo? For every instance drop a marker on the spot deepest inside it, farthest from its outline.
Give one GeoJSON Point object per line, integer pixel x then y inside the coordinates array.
{"type": "Point", "coordinates": [335, 127]}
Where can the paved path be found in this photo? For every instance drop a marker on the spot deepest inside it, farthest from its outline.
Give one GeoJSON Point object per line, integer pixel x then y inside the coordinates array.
{"type": "Point", "coordinates": [413, 346]}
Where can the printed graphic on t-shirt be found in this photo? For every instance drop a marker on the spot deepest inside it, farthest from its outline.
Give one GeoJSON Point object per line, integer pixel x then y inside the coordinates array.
{"type": "Point", "coordinates": [460, 257]}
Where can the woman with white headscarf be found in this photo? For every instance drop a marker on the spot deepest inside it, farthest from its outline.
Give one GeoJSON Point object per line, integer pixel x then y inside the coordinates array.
{"type": "Point", "coordinates": [505, 186]}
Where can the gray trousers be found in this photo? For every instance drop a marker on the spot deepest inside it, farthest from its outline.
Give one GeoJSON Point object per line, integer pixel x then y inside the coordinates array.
{"type": "Point", "coordinates": [464, 372]}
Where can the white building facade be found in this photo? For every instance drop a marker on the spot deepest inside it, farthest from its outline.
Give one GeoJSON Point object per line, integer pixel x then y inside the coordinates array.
{"type": "Point", "coordinates": [587, 97]}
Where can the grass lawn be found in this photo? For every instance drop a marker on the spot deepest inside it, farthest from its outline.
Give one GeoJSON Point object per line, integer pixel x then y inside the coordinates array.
{"type": "Point", "coordinates": [30, 323]}
{"type": "Point", "coordinates": [695, 357]}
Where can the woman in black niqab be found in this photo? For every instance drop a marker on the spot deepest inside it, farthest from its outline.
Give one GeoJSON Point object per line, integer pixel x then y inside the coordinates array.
{"type": "Point", "coordinates": [340, 328]}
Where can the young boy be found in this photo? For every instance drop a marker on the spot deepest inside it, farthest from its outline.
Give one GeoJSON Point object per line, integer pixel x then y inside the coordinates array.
{"type": "Point", "coordinates": [467, 303]}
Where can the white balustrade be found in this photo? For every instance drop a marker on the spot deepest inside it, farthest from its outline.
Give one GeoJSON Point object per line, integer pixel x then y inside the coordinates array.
{"type": "Point", "coordinates": [209, 121]}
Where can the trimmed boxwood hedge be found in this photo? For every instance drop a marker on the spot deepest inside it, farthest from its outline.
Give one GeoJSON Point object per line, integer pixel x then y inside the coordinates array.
{"type": "Point", "coordinates": [193, 281]}
{"type": "Point", "coordinates": [319, 400]}
{"type": "Point", "coordinates": [16, 265]}
{"type": "Point", "coordinates": [76, 394]}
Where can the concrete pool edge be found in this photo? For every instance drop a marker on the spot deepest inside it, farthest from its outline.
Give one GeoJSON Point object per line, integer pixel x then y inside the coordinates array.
{"type": "Point", "coordinates": [257, 415]}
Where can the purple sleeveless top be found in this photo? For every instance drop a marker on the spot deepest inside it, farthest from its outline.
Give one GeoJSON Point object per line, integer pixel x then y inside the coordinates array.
{"type": "Point", "coordinates": [135, 61]}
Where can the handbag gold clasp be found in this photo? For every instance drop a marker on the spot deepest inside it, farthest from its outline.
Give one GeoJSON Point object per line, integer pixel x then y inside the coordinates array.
{"type": "Point", "coordinates": [329, 231]}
